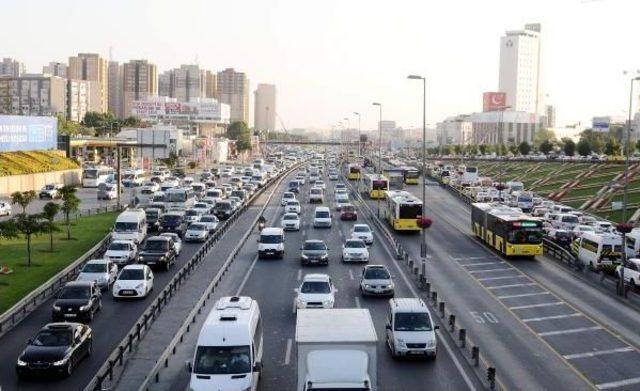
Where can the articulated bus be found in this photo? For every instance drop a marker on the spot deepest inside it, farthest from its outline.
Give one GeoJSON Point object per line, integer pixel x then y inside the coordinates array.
{"type": "Point", "coordinates": [402, 210]}
{"type": "Point", "coordinates": [94, 176]}
{"type": "Point", "coordinates": [411, 175]}
{"type": "Point", "coordinates": [374, 186]}
{"type": "Point", "coordinates": [507, 230]}
{"type": "Point", "coordinates": [354, 172]}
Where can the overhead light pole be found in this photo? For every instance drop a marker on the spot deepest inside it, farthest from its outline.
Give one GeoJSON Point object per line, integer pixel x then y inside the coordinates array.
{"type": "Point", "coordinates": [358, 114]}
{"type": "Point", "coordinates": [379, 170]}
{"type": "Point", "coordinates": [346, 139]}
{"type": "Point", "coordinates": [423, 247]}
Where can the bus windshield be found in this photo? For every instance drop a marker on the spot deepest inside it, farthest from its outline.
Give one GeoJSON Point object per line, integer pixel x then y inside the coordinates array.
{"type": "Point", "coordinates": [410, 211]}
{"type": "Point", "coordinates": [90, 174]}
{"type": "Point", "coordinates": [525, 236]}
{"type": "Point", "coordinates": [379, 185]}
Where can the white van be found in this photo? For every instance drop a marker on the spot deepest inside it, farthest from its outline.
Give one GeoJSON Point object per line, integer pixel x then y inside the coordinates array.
{"type": "Point", "coordinates": [271, 243]}
{"type": "Point", "coordinates": [514, 186]}
{"type": "Point", "coordinates": [228, 354]}
{"type": "Point", "coordinates": [597, 250]}
{"type": "Point", "coordinates": [566, 221]}
{"type": "Point", "coordinates": [130, 225]}
{"type": "Point", "coordinates": [557, 208]}
{"type": "Point", "coordinates": [322, 217]}
{"type": "Point", "coordinates": [632, 245]}
{"type": "Point", "coordinates": [410, 329]}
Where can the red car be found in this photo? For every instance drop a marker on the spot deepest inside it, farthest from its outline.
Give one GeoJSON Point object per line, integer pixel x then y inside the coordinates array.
{"type": "Point", "coordinates": [348, 212]}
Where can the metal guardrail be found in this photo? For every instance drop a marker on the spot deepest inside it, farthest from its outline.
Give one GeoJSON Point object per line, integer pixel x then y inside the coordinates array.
{"type": "Point", "coordinates": [469, 349]}
{"type": "Point", "coordinates": [136, 333]}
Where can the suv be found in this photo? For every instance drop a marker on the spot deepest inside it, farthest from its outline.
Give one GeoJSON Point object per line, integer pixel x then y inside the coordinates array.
{"type": "Point", "coordinates": [158, 250]}
{"type": "Point", "coordinates": [223, 209]}
{"type": "Point", "coordinates": [376, 281]}
{"type": "Point", "coordinates": [77, 300]}
{"type": "Point", "coordinates": [410, 330]}
{"type": "Point", "coordinates": [173, 221]}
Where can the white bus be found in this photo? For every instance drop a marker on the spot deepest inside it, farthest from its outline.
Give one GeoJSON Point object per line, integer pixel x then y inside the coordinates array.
{"type": "Point", "coordinates": [94, 176]}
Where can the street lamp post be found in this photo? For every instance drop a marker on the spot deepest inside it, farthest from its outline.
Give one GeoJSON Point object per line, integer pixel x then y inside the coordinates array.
{"type": "Point", "coordinates": [346, 139]}
{"type": "Point", "coordinates": [500, 138]}
{"type": "Point", "coordinates": [423, 247]}
{"type": "Point", "coordinates": [379, 170]}
{"type": "Point", "coordinates": [358, 114]}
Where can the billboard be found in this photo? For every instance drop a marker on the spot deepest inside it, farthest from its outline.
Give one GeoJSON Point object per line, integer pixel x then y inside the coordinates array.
{"type": "Point", "coordinates": [601, 124]}
{"type": "Point", "coordinates": [492, 101]}
{"type": "Point", "coordinates": [193, 111]}
{"type": "Point", "coordinates": [25, 133]}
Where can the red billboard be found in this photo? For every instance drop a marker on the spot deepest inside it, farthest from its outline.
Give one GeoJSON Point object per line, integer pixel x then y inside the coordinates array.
{"type": "Point", "coordinates": [492, 101]}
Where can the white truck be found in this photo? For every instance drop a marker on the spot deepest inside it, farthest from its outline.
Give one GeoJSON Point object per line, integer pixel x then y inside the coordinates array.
{"type": "Point", "coordinates": [336, 350]}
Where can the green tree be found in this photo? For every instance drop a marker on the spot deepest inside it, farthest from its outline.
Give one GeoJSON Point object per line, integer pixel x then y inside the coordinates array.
{"type": "Point", "coordinates": [103, 123]}
{"type": "Point", "coordinates": [70, 204]}
{"type": "Point", "coordinates": [457, 149]}
{"type": "Point", "coordinates": [482, 148]}
{"type": "Point", "coordinates": [637, 145]}
{"type": "Point", "coordinates": [68, 127]}
{"type": "Point", "coordinates": [8, 229]}
{"type": "Point", "coordinates": [133, 122]}
{"type": "Point", "coordinates": [472, 149]}
{"type": "Point", "coordinates": [543, 135]}
{"type": "Point", "coordinates": [545, 147]}
{"type": "Point", "coordinates": [524, 148]}
{"type": "Point", "coordinates": [171, 161]}
{"type": "Point", "coordinates": [29, 225]}
{"type": "Point", "coordinates": [513, 149]}
{"type": "Point", "coordinates": [583, 148]}
{"type": "Point", "coordinates": [49, 212]}
{"type": "Point", "coordinates": [569, 147]}
{"type": "Point", "coordinates": [612, 147]}
{"type": "Point", "coordinates": [237, 129]}
{"type": "Point", "coordinates": [23, 199]}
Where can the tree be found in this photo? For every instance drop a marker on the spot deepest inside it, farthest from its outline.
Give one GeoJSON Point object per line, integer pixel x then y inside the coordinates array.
{"type": "Point", "coordinates": [569, 147]}
{"type": "Point", "coordinates": [23, 199]}
{"type": "Point", "coordinates": [543, 135]}
{"type": "Point", "coordinates": [49, 212]}
{"type": "Point", "coordinates": [524, 148]}
{"type": "Point", "coordinates": [513, 149]}
{"type": "Point", "coordinates": [68, 127]}
{"type": "Point", "coordinates": [8, 229]}
{"type": "Point", "coordinates": [103, 123]}
{"type": "Point", "coordinates": [457, 149]}
{"type": "Point", "coordinates": [171, 161]}
{"type": "Point", "coordinates": [70, 204]}
{"type": "Point", "coordinates": [133, 122]}
{"type": "Point", "coordinates": [545, 147]}
{"type": "Point", "coordinates": [236, 129]}
{"type": "Point", "coordinates": [612, 147]}
{"type": "Point", "coordinates": [583, 147]}
{"type": "Point", "coordinates": [29, 225]}
{"type": "Point", "coordinates": [638, 145]}
{"type": "Point", "coordinates": [482, 148]}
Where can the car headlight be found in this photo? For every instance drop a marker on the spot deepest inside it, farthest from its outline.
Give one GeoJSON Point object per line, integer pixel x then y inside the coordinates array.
{"type": "Point", "coordinates": [431, 343]}
{"type": "Point", "coordinates": [61, 362]}
{"type": "Point", "coordinates": [400, 342]}
{"type": "Point", "coordinates": [102, 279]}
{"type": "Point", "coordinates": [56, 308]}
{"type": "Point", "coordinates": [139, 286]}
{"type": "Point", "coordinates": [85, 307]}
{"type": "Point", "coordinates": [367, 285]}
{"type": "Point", "coordinates": [324, 256]}
{"type": "Point", "coordinates": [303, 256]}
{"type": "Point", "coordinates": [328, 302]}
{"type": "Point", "coordinates": [141, 258]}
{"type": "Point", "coordinates": [21, 363]}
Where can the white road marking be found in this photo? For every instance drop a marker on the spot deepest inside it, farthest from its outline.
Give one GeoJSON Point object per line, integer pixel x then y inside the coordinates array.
{"type": "Point", "coordinates": [524, 307]}
{"type": "Point", "coordinates": [351, 275]}
{"type": "Point", "coordinates": [480, 263]}
{"type": "Point", "coordinates": [523, 295]}
{"type": "Point", "coordinates": [469, 258]}
{"type": "Point", "coordinates": [293, 309]}
{"type": "Point", "coordinates": [598, 353]}
{"type": "Point", "coordinates": [357, 301]}
{"type": "Point", "coordinates": [299, 274]}
{"type": "Point", "coordinates": [287, 354]}
{"type": "Point", "coordinates": [246, 277]}
{"type": "Point", "coordinates": [511, 285]}
{"type": "Point", "coordinates": [569, 331]}
{"type": "Point", "coordinates": [543, 318]}
{"type": "Point", "coordinates": [504, 269]}
{"type": "Point", "coordinates": [500, 278]}
{"type": "Point", "coordinates": [616, 384]}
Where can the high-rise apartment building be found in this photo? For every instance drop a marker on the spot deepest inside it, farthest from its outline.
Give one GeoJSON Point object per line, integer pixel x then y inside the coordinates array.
{"type": "Point", "coordinates": [11, 67]}
{"type": "Point", "coordinates": [265, 107]}
{"type": "Point", "coordinates": [92, 67]}
{"type": "Point", "coordinates": [140, 80]}
{"type": "Point", "coordinates": [115, 89]}
{"type": "Point", "coordinates": [211, 85]}
{"type": "Point", "coordinates": [82, 96]}
{"type": "Point", "coordinates": [165, 84]}
{"type": "Point", "coordinates": [33, 95]}
{"type": "Point", "coordinates": [233, 89]}
{"type": "Point", "coordinates": [520, 73]}
{"type": "Point", "coordinates": [550, 115]}
{"type": "Point", "coordinates": [186, 83]}
{"type": "Point", "coordinates": [55, 69]}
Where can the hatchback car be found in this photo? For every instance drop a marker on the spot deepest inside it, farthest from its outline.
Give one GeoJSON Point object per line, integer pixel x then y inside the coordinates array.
{"type": "Point", "coordinates": [355, 250]}
{"type": "Point", "coordinates": [316, 291]}
{"type": "Point", "coordinates": [286, 197]}
{"type": "Point", "coordinates": [376, 281]}
{"type": "Point", "coordinates": [290, 222]}
{"type": "Point", "coordinates": [293, 206]}
{"type": "Point", "coordinates": [77, 300]}
{"type": "Point", "coordinates": [133, 281]}
{"type": "Point", "coordinates": [362, 231]}
{"type": "Point", "coordinates": [314, 252]}
{"type": "Point", "coordinates": [102, 271]}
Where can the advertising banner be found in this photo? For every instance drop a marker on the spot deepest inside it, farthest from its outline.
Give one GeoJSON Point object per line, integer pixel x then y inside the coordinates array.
{"type": "Point", "coordinates": [601, 124]}
{"type": "Point", "coordinates": [24, 133]}
{"type": "Point", "coordinates": [492, 101]}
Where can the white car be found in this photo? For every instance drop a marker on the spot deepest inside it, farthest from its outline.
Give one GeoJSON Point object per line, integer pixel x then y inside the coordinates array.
{"type": "Point", "coordinates": [5, 209]}
{"type": "Point", "coordinates": [355, 250]}
{"type": "Point", "coordinates": [376, 281]}
{"type": "Point", "coordinates": [333, 176]}
{"type": "Point", "coordinates": [580, 229]}
{"type": "Point", "coordinates": [410, 331]}
{"type": "Point", "coordinates": [211, 221]}
{"type": "Point", "coordinates": [286, 197]}
{"type": "Point", "coordinates": [292, 207]}
{"type": "Point", "coordinates": [316, 291]}
{"type": "Point", "coordinates": [631, 273]}
{"type": "Point", "coordinates": [315, 195]}
{"type": "Point", "coordinates": [153, 186]}
{"type": "Point", "coordinates": [193, 215]}
{"type": "Point", "coordinates": [321, 185]}
{"type": "Point", "coordinates": [196, 232]}
{"type": "Point", "coordinates": [50, 191]}
{"type": "Point", "coordinates": [133, 281]}
{"type": "Point", "coordinates": [290, 222]}
{"type": "Point", "coordinates": [362, 231]}
{"type": "Point", "coordinates": [203, 207]}
{"type": "Point", "coordinates": [177, 242]}
{"type": "Point", "coordinates": [121, 252]}
{"type": "Point", "coordinates": [102, 271]}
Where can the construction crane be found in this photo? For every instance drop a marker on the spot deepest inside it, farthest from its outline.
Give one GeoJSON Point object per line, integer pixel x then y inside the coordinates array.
{"type": "Point", "coordinates": [282, 124]}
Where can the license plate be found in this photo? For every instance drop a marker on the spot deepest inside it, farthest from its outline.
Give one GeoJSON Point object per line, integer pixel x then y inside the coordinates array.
{"type": "Point", "coordinates": [70, 315]}
{"type": "Point", "coordinates": [129, 292]}
{"type": "Point", "coordinates": [416, 352]}
{"type": "Point", "coordinates": [151, 262]}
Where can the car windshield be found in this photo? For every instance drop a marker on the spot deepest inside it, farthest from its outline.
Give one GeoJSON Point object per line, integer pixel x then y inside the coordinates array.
{"type": "Point", "coordinates": [171, 218]}
{"type": "Point", "coordinates": [348, 208]}
{"type": "Point", "coordinates": [191, 212]}
{"type": "Point", "coordinates": [315, 287]}
{"type": "Point", "coordinates": [361, 229]}
{"type": "Point", "coordinates": [569, 219]}
{"type": "Point", "coordinates": [152, 214]}
{"type": "Point", "coordinates": [322, 215]}
{"type": "Point", "coordinates": [126, 227]}
{"type": "Point", "coordinates": [293, 203]}
{"type": "Point", "coordinates": [118, 246]}
{"type": "Point", "coordinates": [223, 206]}
{"type": "Point", "coordinates": [412, 321]}
{"type": "Point", "coordinates": [315, 246]}
{"type": "Point", "coordinates": [290, 217]}
{"type": "Point", "coordinates": [354, 244]}
{"type": "Point", "coordinates": [131, 274]}
{"type": "Point", "coordinates": [270, 239]}
{"type": "Point", "coordinates": [222, 360]}
{"type": "Point", "coordinates": [316, 191]}
{"type": "Point", "coordinates": [208, 219]}
{"type": "Point", "coordinates": [376, 273]}
{"type": "Point", "coordinates": [94, 268]}
{"type": "Point", "coordinates": [197, 227]}
{"type": "Point", "coordinates": [53, 338]}
{"type": "Point", "coordinates": [156, 245]}
{"type": "Point", "coordinates": [75, 292]}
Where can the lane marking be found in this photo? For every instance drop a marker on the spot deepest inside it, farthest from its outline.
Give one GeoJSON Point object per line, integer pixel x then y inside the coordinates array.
{"type": "Point", "coordinates": [481, 263]}
{"type": "Point", "coordinates": [357, 301]}
{"type": "Point", "coordinates": [598, 353]}
{"type": "Point", "coordinates": [351, 275]}
{"type": "Point", "coordinates": [287, 354]}
{"type": "Point", "coordinates": [569, 331]}
{"type": "Point", "coordinates": [246, 277]}
{"type": "Point", "coordinates": [524, 307]}
{"type": "Point", "coordinates": [299, 274]}
{"type": "Point", "coordinates": [293, 309]}
{"type": "Point", "coordinates": [491, 270]}
{"type": "Point", "coordinates": [616, 384]}
{"type": "Point", "coordinates": [523, 295]}
{"type": "Point", "coordinates": [500, 278]}
{"type": "Point", "coordinates": [543, 318]}
{"type": "Point", "coordinates": [511, 285]}
{"type": "Point", "coordinates": [469, 258]}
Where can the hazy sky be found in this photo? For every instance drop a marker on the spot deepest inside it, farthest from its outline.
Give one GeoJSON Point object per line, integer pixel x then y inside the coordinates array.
{"type": "Point", "coordinates": [332, 57]}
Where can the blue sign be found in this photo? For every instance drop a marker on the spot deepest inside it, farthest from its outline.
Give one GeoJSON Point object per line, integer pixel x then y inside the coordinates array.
{"type": "Point", "coordinates": [24, 133]}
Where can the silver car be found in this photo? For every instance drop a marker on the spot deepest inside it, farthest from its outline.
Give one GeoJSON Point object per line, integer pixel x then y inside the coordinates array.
{"type": "Point", "coordinates": [376, 281]}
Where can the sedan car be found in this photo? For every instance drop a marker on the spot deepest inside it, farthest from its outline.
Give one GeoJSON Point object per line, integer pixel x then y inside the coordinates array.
{"type": "Point", "coordinates": [290, 222]}
{"type": "Point", "coordinates": [102, 271]}
{"type": "Point", "coordinates": [196, 232]}
{"type": "Point", "coordinates": [376, 281]}
{"type": "Point", "coordinates": [133, 281]}
{"type": "Point", "coordinates": [121, 252]}
{"type": "Point", "coordinates": [77, 300]}
{"type": "Point", "coordinates": [203, 207]}
{"type": "Point", "coordinates": [362, 231]}
{"type": "Point", "coordinates": [316, 291]}
{"type": "Point", "coordinates": [55, 350]}
{"type": "Point", "coordinates": [211, 221]}
{"type": "Point", "coordinates": [355, 250]}
{"type": "Point", "coordinates": [292, 207]}
{"type": "Point", "coordinates": [177, 242]}
{"type": "Point", "coordinates": [314, 252]}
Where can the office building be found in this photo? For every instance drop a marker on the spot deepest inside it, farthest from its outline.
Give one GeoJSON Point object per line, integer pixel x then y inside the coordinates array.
{"type": "Point", "coordinates": [504, 127]}
{"type": "Point", "coordinates": [550, 116]}
{"type": "Point", "coordinates": [140, 81]}
{"type": "Point", "coordinates": [11, 67]}
{"type": "Point", "coordinates": [115, 89]}
{"type": "Point", "coordinates": [91, 67]}
{"type": "Point", "coordinates": [520, 73]}
{"type": "Point", "coordinates": [265, 108]}
{"type": "Point", "coordinates": [55, 69]}
{"type": "Point", "coordinates": [233, 89]}
{"type": "Point", "coordinates": [455, 130]}
{"type": "Point", "coordinates": [33, 95]}
{"type": "Point", "coordinates": [211, 85]}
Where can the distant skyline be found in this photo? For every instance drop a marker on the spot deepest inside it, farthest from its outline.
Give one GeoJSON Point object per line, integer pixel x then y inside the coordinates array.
{"type": "Point", "coordinates": [332, 58]}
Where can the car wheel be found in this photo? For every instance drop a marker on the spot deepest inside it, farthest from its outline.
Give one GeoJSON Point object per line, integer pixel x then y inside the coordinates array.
{"type": "Point", "coordinates": [167, 266]}
{"type": "Point", "coordinates": [69, 369]}
{"type": "Point", "coordinates": [90, 348]}
{"type": "Point", "coordinates": [90, 316]}
{"type": "Point", "coordinates": [632, 285]}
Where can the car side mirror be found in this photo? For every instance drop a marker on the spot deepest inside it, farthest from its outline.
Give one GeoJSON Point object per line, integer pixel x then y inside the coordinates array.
{"type": "Point", "coordinates": [188, 366]}
{"type": "Point", "coordinates": [257, 367]}
{"type": "Point", "coordinates": [296, 290]}
{"type": "Point", "coordinates": [436, 327]}
{"type": "Point", "coordinates": [29, 341]}
{"type": "Point", "coordinates": [387, 326]}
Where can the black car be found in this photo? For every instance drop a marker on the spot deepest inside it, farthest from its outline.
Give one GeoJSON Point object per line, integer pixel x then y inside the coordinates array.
{"type": "Point", "coordinates": [314, 252]}
{"type": "Point", "coordinates": [158, 251]}
{"type": "Point", "coordinates": [77, 300]}
{"type": "Point", "coordinates": [294, 187]}
{"type": "Point", "coordinates": [561, 237]}
{"type": "Point", "coordinates": [223, 209]}
{"type": "Point", "coordinates": [55, 350]}
{"type": "Point", "coordinates": [173, 222]}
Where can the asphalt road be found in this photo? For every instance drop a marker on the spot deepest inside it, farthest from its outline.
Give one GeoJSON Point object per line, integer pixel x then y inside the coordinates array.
{"type": "Point", "coordinates": [272, 283]}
